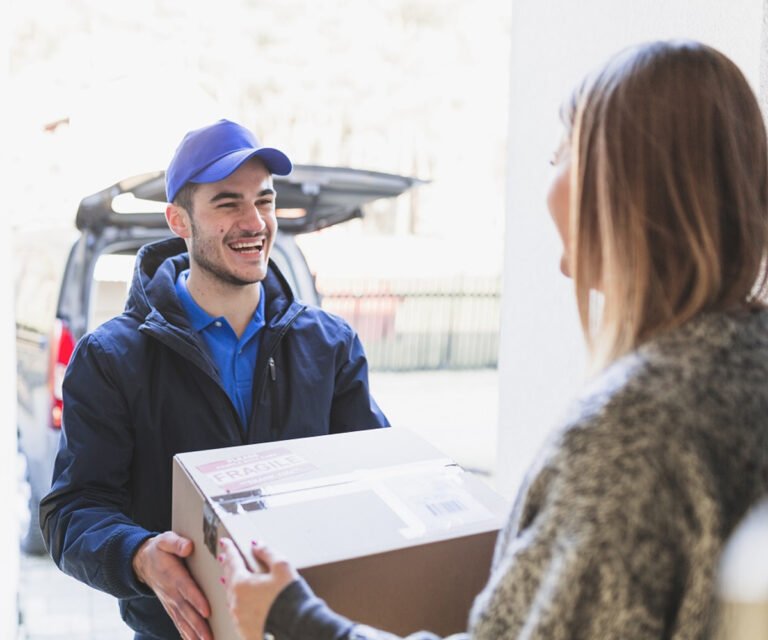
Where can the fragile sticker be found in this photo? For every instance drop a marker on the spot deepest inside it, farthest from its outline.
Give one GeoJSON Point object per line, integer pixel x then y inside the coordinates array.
{"type": "Point", "coordinates": [254, 470]}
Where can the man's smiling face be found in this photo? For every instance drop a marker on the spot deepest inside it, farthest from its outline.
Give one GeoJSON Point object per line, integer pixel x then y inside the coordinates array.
{"type": "Point", "coordinates": [233, 225]}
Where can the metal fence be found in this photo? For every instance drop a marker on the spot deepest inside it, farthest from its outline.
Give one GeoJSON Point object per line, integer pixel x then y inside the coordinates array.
{"type": "Point", "coordinates": [421, 323]}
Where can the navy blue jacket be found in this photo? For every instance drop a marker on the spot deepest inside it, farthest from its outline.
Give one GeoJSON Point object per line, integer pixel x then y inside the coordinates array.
{"type": "Point", "coordinates": [142, 388]}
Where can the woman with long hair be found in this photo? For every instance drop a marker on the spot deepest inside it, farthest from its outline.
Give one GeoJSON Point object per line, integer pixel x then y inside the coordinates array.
{"type": "Point", "coordinates": [660, 195]}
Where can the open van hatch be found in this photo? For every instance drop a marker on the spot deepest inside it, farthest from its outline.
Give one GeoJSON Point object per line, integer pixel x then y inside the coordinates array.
{"type": "Point", "coordinates": [312, 197]}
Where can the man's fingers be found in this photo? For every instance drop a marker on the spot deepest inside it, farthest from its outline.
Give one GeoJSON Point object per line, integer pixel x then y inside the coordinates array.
{"type": "Point", "coordinates": [195, 597]}
{"type": "Point", "coordinates": [185, 630]}
{"type": "Point", "coordinates": [159, 562]}
{"type": "Point", "coordinates": [174, 610]}
{"type": "Point", "coordinates": [190, 622]}
{"type": "Point", "coordinates": [171, 542]}
{"type": "Point", "coordinates": [184, 547]}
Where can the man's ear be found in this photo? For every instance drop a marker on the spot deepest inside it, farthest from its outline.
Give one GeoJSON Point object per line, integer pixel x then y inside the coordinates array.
{"type": "Point", "coordinates": [178, 220]}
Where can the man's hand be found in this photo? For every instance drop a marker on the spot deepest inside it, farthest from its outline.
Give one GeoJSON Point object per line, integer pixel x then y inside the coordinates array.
{"type": "Point", "coordinates": [250, 595]}
{"type": "Point", "coordinates": [158, 563]}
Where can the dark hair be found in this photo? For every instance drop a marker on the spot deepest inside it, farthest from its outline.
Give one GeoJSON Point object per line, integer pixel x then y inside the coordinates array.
{"type": "Point", "coordinates": [185, 196]}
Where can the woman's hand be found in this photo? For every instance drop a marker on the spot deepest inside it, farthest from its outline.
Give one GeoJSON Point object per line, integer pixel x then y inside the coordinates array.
{"type": "Point", "coordinates": [250, 595]}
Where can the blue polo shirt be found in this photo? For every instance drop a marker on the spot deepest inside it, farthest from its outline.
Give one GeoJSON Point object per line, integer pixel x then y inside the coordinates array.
{"type": "Point", "coordinates": [235, 357]}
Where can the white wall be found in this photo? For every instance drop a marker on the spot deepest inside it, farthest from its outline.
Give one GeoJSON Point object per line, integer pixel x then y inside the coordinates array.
{"type": "Point", "coordinates": [554, 43]}
{"type": "Point", "coordinates": [9, 533]}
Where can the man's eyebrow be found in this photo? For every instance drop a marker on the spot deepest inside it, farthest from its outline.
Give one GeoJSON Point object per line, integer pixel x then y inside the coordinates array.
{"type": "Point", "coordinates": [231, 195]}
{"type": "Point", "coordinates": [226, 195]}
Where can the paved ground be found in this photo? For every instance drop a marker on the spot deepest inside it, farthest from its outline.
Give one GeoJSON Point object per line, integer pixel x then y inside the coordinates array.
{"type": "Point", "coordinates": [54, 606]}
{"type": "Point", "coordinates": [454, 410]}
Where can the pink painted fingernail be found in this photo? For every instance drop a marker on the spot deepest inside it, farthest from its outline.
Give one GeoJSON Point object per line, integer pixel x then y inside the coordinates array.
{"type": "Point", "coordinates": [255, 543]}
{"type": "Point", "coordinates": [223, 580]}
{"type": "Point", "coordinates": [220, 558]}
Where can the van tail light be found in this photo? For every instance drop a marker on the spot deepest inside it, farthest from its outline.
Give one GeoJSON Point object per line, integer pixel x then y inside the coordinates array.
{"type": "Point", "coordinates": [62, 346]}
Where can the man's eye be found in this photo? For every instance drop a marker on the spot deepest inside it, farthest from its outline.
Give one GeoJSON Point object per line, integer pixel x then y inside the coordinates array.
{"type": "Point", "coordinates": [228, 205]}
{"type": "Point", "coordinates": [264, 203]}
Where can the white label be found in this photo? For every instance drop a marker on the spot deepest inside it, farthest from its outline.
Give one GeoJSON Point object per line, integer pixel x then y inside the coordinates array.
{"type": "Point", "coordinates": [434, 501]}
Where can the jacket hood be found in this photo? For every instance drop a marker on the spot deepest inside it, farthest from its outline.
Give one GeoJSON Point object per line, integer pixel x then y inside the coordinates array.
{"type": "Point", "coordinates": [153, 288]}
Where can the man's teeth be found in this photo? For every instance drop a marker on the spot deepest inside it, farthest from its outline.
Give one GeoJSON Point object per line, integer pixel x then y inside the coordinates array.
{"type": "Point", "coordinates": [244, 246]}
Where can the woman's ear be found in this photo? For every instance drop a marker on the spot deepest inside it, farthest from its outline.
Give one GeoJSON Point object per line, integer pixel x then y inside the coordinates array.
{"type": "Point", "coordinates": [178, 220]}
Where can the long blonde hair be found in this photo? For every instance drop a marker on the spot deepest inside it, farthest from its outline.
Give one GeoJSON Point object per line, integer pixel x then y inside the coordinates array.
{"type": "Point", "coordinates": [669, 193]}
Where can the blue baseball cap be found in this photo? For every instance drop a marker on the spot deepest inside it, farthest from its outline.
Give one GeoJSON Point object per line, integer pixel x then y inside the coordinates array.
{"type": "Point", "coordinates": [213, 152]}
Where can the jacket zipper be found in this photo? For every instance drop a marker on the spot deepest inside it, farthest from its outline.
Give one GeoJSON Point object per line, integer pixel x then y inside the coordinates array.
{"type": "Point", "coordinates": [271, 374]}
{"type": "Point", "coordinates": [160, 332]}
{"type": "Point", "coordinates": [276, 418]}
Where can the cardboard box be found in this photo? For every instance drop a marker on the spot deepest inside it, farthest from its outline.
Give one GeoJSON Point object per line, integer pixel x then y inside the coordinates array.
{"type": "Point", "coordinates": [384, 527]}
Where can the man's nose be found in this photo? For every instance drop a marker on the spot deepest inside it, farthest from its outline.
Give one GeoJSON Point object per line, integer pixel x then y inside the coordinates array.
{"type": "Point", "coordinates": [253, 220]}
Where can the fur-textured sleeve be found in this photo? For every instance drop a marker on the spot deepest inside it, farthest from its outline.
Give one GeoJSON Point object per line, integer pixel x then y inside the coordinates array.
{"type": "Point", "coordinates": [601, 542]}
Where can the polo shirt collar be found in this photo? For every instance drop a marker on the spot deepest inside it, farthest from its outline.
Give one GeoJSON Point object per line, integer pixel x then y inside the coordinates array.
{"type": "Point", "coordinates": [198, 317]}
